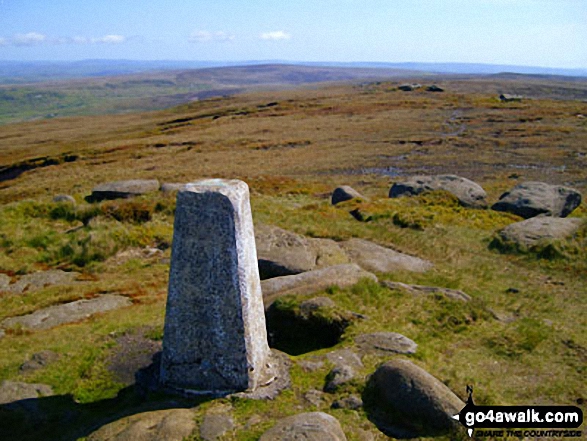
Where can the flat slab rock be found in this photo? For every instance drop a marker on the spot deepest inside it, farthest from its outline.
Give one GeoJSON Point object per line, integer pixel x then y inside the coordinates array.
{"type": "Point", "coordinates": [123, 189]}
{"type": "Point", "coordinates": [453, 294]}
{"type": "Point", "coordinates": [345, 193]}
{"type": "Point", "coordinates": [313, 281]}
{"type": "Point", "coordinates": [67, 313]}
{"type": "Point", "coordinates": [377, 258]}
{"type": "Point", "coordinates": [538, 229]}
{"type": "Point", "coordinates": [161, 425]}
{"type": "Point", "coordinates": [38, 280]}
{"type": "Point", "coordinates": [469, 193]}
{"type": "Point", "coordinates": [385, 343]}
{"type": "Point", "coordinates": [11, 391]}
{"type": "Point", "coordinates": [531, 199]}
{"type": "Point", "coordinates": [312, 426]}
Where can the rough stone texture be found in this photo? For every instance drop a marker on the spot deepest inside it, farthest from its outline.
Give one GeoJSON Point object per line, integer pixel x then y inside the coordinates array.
{"type": "Point", "coordinates": [282, 253]}
{"type": "Point", "coordinates": [315, 397]}
{"type": "Point", "coordinates": [216, 423]}
{"type": "Point", "coordinates": [469, 193]}
{"type": "Point", "coordinates": [168, 187]}
{"type": "Point", "coordinates": [328, 252]}
{"type": "Point", "coordinates": [123, 189]}
{"type": "Point", "coordinates": [338, 377]}
{"type": "Point", "coordinates": [385, 343]}
{"type": "Point", "coordinates": [312, 281]}
{"type": "Point", "coordinates": [64, 198]}
{"type": "Point", "coordinates": [313, 426]}
{"type": "Point", "coordinates": [352, 402]}
{"type": "Point", "coordinates": [406, 401]}
{"type": "Point", "coordinates": [345, 193]}
{"type": "Point", "coordinates": [373, 257]}
{"type": "Point", "coordinates": [67, 313]}
{"type": "Point", "coordinates": [541, 229]}
{"type": "Point", "coordinates": [39, 361]}
{"type": "Point", "coordinates": [345, 357]}
{"type": "Point", "coordinates": [453, 294]}
{"type": "Point", "coordinates": [11, 391]}
{"type": "Point", "coordinates": [531, 199]}
{"type": "Point", "coordinates": [4, 282]}
{"type": "Point", "coordinates": [162, 425]}
{"type": "Point", "coordinates": [39, 280]}
{"type": "Point", "coordinates": [215, 339]}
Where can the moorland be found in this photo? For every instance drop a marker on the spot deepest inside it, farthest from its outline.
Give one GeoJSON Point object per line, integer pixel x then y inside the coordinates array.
{"type": "Point", "coordinates": [521, 340]}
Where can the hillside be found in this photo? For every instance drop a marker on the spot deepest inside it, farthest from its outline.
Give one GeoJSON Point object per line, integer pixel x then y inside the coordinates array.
{"type": "Point", "coordinates": [519, 338]}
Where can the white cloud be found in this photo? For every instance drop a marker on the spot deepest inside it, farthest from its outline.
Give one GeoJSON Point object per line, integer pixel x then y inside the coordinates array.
{"type": "Point", "coordinates": [110, 39]}
{"type": "Point", "coordinates": [275, 36]}
{"type": "Point", "coordinates": [30, 39]}
{"type": "Point", "coordinates": [207, 36]}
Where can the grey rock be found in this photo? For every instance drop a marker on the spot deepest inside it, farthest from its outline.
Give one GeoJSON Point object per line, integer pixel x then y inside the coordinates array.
{"type": "Point", "coordinates": [314, 397]}
{"type": "Point", "coordinates": [168, 187]}
{"type": "Point", "coordinates": [373, 257]}
{"type": "Point", "coordinates": [312, 426]}
{"type": "Point", "coordinates": [453, 294]}
{"type": "Point", "coordinates": [409, 87]}
{"type": "Point", "coordinates": [422, 405]}
{"type": "Point", "coordinates": [277, 380]}
{"type": "Point", "coordinates": [215, 425]}
{"type": "Point", "coordinates": [282, 253]}
{"type": "Point", "coordinates": [384, 343]}
{"type": "Point", "coordinates": [215, 339]}
{"type": "Point", "coordinates": [531, 199]}
{"type": "Point", "coordinates": [39, 361]}
{"type": "Point", "coordinates": [541, 229]}
{"type": "Point", "coordinates": [64, 198]}
{"type": "Point", "coordinates": [469, 193]}
{"type": "Point", "coordinates": [508, 97]}
{"type": "Point", "coordinates": [352, 402]}
{"type": "Point", "coordinates": [434, 88]}
{"type": "Point", "coordinates": [310, 366]}
{"type": "Point", "coordinates": [338, 377]}
{"type": "Point", "coordinates": [345, 193]}
{"type": "Point", "coordinates": [313, 281]}
{"type": "Point", "coordinates": [345, 357]}
{"type": "Point", "coordinates": [328, 252]}
{"type": "Point", "coordinates": [123, 189]}
{"type": "Point", "coordinates": [39, 280]}
{"type": "Point", "coordinates": [4, 282]}
{"type": "Point", "coordinates": [12, 391]}
{"type": "Point", "coordinates": [67, 313]}
{"type": "Point", "coordinates": [161, 425]}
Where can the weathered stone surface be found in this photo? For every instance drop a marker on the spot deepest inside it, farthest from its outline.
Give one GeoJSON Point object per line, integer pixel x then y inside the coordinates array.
{"type": "Point", "coordinates": [169, 187]}
{"type": "Point", "coordinates": [313, 281]}
{"type": "Point", "coordinates": [338, 377]}
{"type": "Point", "coordinates": [352, 402]}
{"type": "Point", "coordinates": [345, 193]}
{"type": "Point", "coordinates": [11, 391]}
{"type": "Point", "coordinates": [328, 252]}
{"type": "Point", "coordinates": [162, 425]}
{"type": "Point", "coordinates": [508, 97]}
{"type": "Point", "coordinates": [4, 282]}
{"type": "Point", "coordinates": [215, 339]}
{"type": "Point", "coordinates": [406, 401]}
{"type": "Point", "coordinates": [313, 426]}
{"type": "Point", "coordinates": [216, 423]}
{"type": "Point", "coordinates": [385, 343]}
{"type": "Point", "coordinates": [531, 199]}
{"type": "Point", "coordinates": [373, 257]}
{"type": "Point", "coordinates": [434, 88]}
{"type": "Point", "coordinates": [123, 189]}
{"type": "Point", "coordinates": [345, 357]}
{"type": "Point", "coordinates": [541, 229]}
{"type": "Point", "coordinates": [469, 193]}
{"type": "Point", "coordinates": [282, 253]}
{"type": "Point", "coordinates": [64, 198]}
{"type": "Point", "coordinates": [315, 397]}
{"type": "Point", "coordinates": [409, 87]}
{"type": "Point", "coordinates": [454, 294]}
{"type": "Point", "coordinates": [39, 360]}
{"type": "Point", "coordinates": [39, 280]}
{"type": "Point", "coordinates": [67, 313]}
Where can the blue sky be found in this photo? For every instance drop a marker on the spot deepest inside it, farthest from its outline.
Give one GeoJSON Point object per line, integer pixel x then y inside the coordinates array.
{"type": "Point", "coordinates": [549, 33]}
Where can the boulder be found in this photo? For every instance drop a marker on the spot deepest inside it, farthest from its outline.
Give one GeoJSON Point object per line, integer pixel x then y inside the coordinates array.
{"type": "Point", "coordinates": [39, 280]}
{"type": "Point", "coordinates": [409, 87]}
{"type": "Point", "coordinates": [312, 426]}
{"type": "Point", "coordinates": [508, 97]}
{"type": "Point", "coordinates": [536, 231]}
{"type": "Point", "coordinates": [123, 189]}
{"type": "Point", "coordinates": [216, 423]}
{"type": "Point", "coordinates": [531, 199]}
{"type": "Point", "coordinates": [13, 391]}
{"type": "Point", "coordinates": [373, 257]}
{"type": "Point", "coordinates": [64, 198]}
{"type": "Point", "coordinates": [385, 343]}
{"type": "Point", "coordinates": [338, 377]}
{"type": "Point", "coordinates": [345, 357]}
{"type": "Point", "coordinates": [469, 193]}
{"type": "Point", "coordinates": [406, 401]}
{"type": "Point", "coordinates": [39, 360]}
{"type": "Point", "coordinates": [345, 193]}
{"type": "Point", "coordinates": [434, 88]}
{"type": "Point", "coordinates": [67, 313]}
{"type": "Point", "coordinates": [328, 252]}
{"type": "Point", "coordinates": [351, 402]}
{"type": "Point", "coordinates": [282, 253]}
{"type": "Point", "coordinates": [161, 425]}
{"type": "Point", "coordinates": [416, 290]}
{"type": "Point", "coordinates": [313, 281]}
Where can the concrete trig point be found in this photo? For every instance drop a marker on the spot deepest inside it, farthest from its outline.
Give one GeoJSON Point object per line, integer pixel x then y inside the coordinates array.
{"type": "Point", "coordinates": [215, 339]}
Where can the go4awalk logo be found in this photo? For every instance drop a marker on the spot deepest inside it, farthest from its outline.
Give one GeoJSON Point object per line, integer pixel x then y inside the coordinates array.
{"type": "Point", "coordinates": [508, 421]}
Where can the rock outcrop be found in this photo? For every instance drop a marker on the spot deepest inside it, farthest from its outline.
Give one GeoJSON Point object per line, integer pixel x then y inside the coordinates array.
{"type": "Point", "coordinates": [345, 193]}
{"type": "Point", "coordinates": [373, 257]}
{"type": "Point", "coordinates": [312, 426]}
